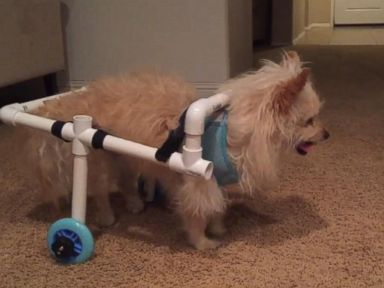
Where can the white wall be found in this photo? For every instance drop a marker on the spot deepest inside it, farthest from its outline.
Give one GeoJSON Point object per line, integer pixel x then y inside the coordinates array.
{"type": "Point", "coordinates": [189, 37]}
{"type": "Point", "coordinates": [299, 18]}
{"type": "Point", "coordinates": [30, 40]}
{"type": "Point", "coordinates": [240, 36]}
{"type": "Point", "coordinates": [319, 12]}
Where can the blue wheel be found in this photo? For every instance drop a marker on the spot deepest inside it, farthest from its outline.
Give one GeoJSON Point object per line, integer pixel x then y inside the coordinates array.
{"type": "Point", "coordinates": [70, 241]}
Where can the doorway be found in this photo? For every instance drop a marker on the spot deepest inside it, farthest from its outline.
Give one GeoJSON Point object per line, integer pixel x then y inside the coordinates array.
{"type": "Point", "coordinates": [359, 12]}
{"type": "Point", "coordinates": [343, 22]}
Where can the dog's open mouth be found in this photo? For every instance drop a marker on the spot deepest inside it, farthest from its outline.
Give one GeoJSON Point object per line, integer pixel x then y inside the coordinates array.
{"type": "Point", "coordinates": [303, 147]}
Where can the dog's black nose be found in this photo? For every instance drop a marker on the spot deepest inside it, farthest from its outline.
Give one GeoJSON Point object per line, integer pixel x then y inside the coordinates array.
{"type": "Point", "coordinates": [326, 135]}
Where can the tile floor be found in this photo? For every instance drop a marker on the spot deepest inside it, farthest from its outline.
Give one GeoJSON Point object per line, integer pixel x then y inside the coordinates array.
{"type": "Point", "coordinates": [345, 35]}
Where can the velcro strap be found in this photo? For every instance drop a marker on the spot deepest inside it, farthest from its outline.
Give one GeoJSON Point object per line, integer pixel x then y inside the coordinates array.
{"type": "Point", "coordinates": [98, 139]}
{"type": "Point", "coordinates": [57, 128]}
{"type": "Point", "coordinates": [173, 142]}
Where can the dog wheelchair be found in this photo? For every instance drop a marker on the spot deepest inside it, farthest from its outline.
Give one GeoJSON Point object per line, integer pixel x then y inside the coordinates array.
{"type": "Point", "coordinates": [69, 239]}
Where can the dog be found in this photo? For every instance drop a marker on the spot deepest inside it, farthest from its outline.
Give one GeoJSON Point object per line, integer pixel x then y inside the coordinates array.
{"type": "Point", "coordinates": [271, 110]}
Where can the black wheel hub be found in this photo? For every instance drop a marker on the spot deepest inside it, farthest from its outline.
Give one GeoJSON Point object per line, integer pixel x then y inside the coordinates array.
{"type": "Point", "coordinates": [63, 247]}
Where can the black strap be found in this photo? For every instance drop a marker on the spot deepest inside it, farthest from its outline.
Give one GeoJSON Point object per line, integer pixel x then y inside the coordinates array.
{"type": "Point", "coordinates": [98, 139]}
{"type": "Point", "coordinates": [173, 142]}
{"type": "Point", "coordinates": [57, 128]}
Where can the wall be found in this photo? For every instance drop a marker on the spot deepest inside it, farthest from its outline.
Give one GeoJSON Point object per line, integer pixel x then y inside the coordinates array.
{"type": "Point", "coordinates": [282, 22]}
{"type": "Point", "coordinates": [308, 14]}
{"type": "Point", "coordinates": [240, 36]}
{"type": "Point", "coordinates": [30, 40]}
{"type": "Point", "coordinates": [261, 20]}
{"type": "Point", "coordinates": [319, 11]}
{"type": "Point", "coordinates": [190, 38]}
{"type": "Point", "coordinates": [299, 17]}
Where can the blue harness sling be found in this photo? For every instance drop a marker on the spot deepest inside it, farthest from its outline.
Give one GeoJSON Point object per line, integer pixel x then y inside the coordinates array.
{"type": "Point", "coordinates": [214, 143]}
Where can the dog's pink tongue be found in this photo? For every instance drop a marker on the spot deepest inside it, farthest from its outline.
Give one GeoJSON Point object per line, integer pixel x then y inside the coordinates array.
{"type": "Point", "coordinates": [303, 148]}
{"type": "Point", "coordinates": [306, 146]}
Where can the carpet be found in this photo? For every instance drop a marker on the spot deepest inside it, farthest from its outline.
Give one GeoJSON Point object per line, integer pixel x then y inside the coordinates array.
{"type": "Point", "coordinates": [323, 226]}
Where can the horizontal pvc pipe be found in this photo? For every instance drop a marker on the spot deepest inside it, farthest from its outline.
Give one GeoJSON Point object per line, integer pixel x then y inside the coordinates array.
{"type": "Point", "coordinates": [8, 112]}
{"type": "Point", "coordinates": [13, 116]}
{"type": "Point", "coordinates": [32, 105]}
{"type": "Point", "coordinates": [111, 143]}
{"type": "Point", "coordinates": [67, 132]}
{"type": "Point", "coordinates": [191, 163]}
{"type": "Point", "coordinates": [119, 145]}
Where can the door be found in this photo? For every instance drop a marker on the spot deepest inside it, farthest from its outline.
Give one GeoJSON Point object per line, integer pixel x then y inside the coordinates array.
{"type": "Point", "coordinates": [359, 11]}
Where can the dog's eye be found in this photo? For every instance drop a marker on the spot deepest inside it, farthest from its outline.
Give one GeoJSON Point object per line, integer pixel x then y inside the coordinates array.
{"type": "Point", "coordinates": [309, 122]}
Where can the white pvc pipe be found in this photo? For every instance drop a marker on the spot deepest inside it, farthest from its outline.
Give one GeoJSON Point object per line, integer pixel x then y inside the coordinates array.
{"type": "Point", "coordinates": [14, 113]}
{"type": "Point", "coordinates": [67, 131]}
{"type": "Point", "coordinates": [32, 105]}
{"type": "Point", "coordinates": [200, 109]}
{"type": "Point", "coordinates": [195, 122]}
{"type": "Point", "coordinates": [79, 188]}
{"type": "Point", "coordinates": [80, 168]}
{"type": "Point", "coordinates": [81, 133]}
{"type": "Point", "coordinates": [11, 115]}
{"type": "Point", "coordinates": [201, 167]}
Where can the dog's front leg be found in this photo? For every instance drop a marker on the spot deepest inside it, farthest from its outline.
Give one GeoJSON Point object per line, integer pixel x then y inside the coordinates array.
{"type": "Point", "coordinates": [198, 201]}
{"type": "Point", "coordinates": [195, 227]}
{"type": "Point", "coordinates": [216, 225]}
{"type": "Point", "coordinates": [129, 188]}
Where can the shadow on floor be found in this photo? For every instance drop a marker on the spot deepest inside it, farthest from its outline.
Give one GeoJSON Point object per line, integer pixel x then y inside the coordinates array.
{"type": "Point", "coordinates": [269, 223]}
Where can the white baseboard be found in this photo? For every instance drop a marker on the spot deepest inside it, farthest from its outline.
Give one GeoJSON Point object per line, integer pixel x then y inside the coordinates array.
{"type": "Point", "coordinates": [301, 35]}
{"type": "Point", "coordinates": [318, 25]}
{"type": "Point", "coordinates": [204, 89]}
{"type": "Point", "coordinates": [311, 26]}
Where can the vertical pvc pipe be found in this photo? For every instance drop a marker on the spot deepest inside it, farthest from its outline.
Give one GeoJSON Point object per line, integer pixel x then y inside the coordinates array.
{"type": "Point", "coordinates": [79, 190]}
{"type": "Point", "coordinates": [80, 168]}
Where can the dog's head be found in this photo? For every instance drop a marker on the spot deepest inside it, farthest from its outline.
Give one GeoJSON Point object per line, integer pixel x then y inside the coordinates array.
{"type": "Point", "coordinates": [296, 107]}
{"type": "Point", "coordinates": [273, 108]}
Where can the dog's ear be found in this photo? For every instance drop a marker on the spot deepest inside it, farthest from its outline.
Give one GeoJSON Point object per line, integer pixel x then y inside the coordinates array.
{"type": "Point", "coordinates": [290, 57]}
{"type": "Point", "coordinates": [293, 55]}
{"type": "Point", "coordinates": [285, 94]}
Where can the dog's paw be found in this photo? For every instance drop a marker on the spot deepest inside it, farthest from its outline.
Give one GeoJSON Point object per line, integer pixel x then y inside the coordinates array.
{"type": "Point", "coordinates": [135, 205]}
{"type": "Point", "coordinates": [206, 243]}
{"type": "Point", "coordinates": [217, 229]}
{"type": "Point", "coordinates": [106, 220]}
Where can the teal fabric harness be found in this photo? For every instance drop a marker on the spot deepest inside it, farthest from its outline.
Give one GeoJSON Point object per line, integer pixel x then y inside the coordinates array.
{"type": "Point", "coordinates": [214, 143]}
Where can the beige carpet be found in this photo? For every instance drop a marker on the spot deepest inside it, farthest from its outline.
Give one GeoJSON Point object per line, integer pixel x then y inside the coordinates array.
{"type": "Point", "coordinates": [322, 227]}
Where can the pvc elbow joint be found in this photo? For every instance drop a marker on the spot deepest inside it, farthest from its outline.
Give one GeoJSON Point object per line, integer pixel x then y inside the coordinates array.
{"type": "Point", "coordinates": [194, 129]}
{"type": "Point", "coordinates": [8, 113]}
{"type": "Point", "coordinates": [194, 122]}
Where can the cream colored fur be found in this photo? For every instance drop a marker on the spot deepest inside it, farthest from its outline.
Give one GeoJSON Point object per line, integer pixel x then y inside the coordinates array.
{"type": "Point", "coordinates": [270, 110]}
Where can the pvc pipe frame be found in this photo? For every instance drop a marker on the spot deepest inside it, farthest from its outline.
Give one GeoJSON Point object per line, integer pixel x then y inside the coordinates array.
{"type": "Point", "coordinates": [81, 134]}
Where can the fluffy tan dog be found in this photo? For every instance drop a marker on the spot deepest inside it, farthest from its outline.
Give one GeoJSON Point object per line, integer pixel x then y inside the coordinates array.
{"type": "Point", "coordinates": [270, 110]}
